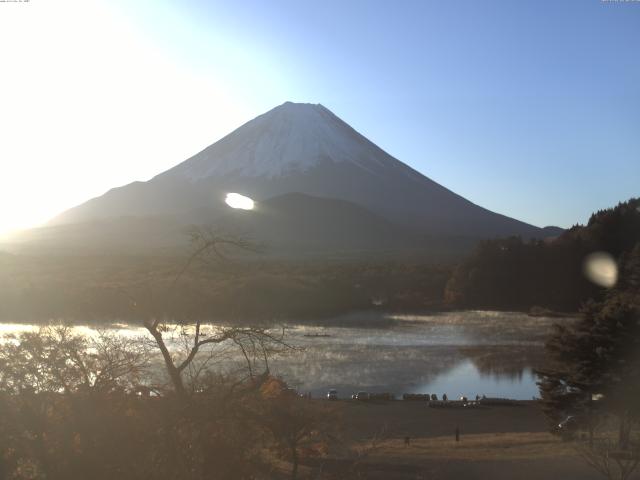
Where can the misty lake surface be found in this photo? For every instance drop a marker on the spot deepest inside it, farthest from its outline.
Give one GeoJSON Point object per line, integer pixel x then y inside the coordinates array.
{"type": "Point", "coordinates": [457, 353]}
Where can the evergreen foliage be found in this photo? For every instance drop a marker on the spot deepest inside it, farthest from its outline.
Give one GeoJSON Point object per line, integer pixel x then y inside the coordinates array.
{"type": "Point", "coordinates": [594, 366]}
{"type": "Point", "coordinates": [514, 274]}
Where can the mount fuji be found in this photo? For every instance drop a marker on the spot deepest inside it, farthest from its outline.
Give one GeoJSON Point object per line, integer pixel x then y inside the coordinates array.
{"type": "Point", "coordinates": [296, 161]}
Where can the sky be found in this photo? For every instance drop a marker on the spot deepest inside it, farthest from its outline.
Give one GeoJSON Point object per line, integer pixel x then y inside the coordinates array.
{"type": "Point", "coordinates": [528, 108]}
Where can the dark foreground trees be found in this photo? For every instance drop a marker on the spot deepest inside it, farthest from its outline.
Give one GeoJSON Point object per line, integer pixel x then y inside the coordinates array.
{"type": "Point", "coordinates": [187, 403]}
{"type": "Point", "coordinates": [593, 373]}
{"type": "Point", "coordinates": [295, 424]}
{"type": "Point", "coordinates": [79, 408]}
{"type": "Point", "coordinates": [515, 274]}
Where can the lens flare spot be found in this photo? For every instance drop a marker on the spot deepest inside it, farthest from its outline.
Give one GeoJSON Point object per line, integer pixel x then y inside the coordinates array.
{"type": "Point", "coordinates": [601, 269]}
{"type": "Point", "coordinates": [235, 200]}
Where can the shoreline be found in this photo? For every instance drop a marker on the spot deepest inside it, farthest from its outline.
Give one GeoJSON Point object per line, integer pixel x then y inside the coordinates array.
{"type": "Point", "coordinates": [368, 318]}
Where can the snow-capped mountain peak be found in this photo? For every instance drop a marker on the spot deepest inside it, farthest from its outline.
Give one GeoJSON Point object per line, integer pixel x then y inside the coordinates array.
{"type": "Point", "coordinates": [291, 138]}
{"type": "Point", "coordinates": [304, 149]}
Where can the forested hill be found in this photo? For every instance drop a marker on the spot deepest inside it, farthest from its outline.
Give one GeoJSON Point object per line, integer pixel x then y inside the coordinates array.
{"type": "Point", "coordinates": [513, 274]}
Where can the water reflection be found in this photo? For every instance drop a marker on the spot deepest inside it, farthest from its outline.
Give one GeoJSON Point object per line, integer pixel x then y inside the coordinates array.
{"type": "Point", "coordinates": [460, 353]}
{"type": "Point", "coordinates": [490, 370]}
{"type": "Point", "coordinates": [467, 380]}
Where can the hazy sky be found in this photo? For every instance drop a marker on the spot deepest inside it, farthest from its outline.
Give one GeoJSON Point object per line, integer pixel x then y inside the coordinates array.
{"type": "Point", "coordinates": [528, 108]}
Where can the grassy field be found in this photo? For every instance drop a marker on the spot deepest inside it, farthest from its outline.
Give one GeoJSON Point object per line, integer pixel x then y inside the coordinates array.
{"type": "Point", "coordinates": [495, 443]}
{"type": "Point", "coordinates": [524, 455]}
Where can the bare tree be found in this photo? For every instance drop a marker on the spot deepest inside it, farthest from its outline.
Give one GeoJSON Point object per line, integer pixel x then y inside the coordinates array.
{"type": "Point", "coordinates": [55, 359]}
{"type": "Point", "coordinates": [294, 423]}
{"type": "Point", "coordinates": [354, 458]}
{"type": "Point", "coordinates": [254, 343]}
{"type": "Point", "coordinates": [605, 456]}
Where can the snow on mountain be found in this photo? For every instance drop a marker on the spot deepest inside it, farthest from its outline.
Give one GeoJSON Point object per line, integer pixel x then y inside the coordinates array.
{"type": "Point", "coordinates": [301, 148]}
{"type": "Point", "coordinates": [289, 139]}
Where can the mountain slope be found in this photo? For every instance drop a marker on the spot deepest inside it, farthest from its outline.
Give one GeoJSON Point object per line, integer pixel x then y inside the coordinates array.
{"type": "Point", "coordinates": [297, 222]}
{"type": "Point", "coordinates": [307, 149]}
{"type": "Point", "coordinates": [286, 225]}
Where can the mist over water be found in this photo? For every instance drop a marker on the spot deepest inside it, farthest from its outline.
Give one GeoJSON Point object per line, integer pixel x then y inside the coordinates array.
{"type": "Point", "coordinates": [469, 353]}
{"type": "Point", "coordinates": [458, 353]}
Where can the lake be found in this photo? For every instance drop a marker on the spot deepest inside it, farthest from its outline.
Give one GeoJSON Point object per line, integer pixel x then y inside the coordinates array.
{"type": "Point", "coordinates": [457, 353]}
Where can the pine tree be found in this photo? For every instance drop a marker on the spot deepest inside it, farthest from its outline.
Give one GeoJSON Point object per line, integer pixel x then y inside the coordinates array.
{"type": "Point", "coordinates": [594, 365]}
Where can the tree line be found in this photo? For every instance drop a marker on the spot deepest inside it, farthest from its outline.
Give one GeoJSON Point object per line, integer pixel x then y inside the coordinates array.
{"type": "Point", "coordinates": [515, 274]}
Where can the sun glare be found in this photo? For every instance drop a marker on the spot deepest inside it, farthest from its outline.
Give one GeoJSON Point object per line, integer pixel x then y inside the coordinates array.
{"type": "Point", "coordinates": [601, 269]}
{"type": "Point", "coordinates": [98, 64]}
{"type": "Point", "coordinates": [235, 200]}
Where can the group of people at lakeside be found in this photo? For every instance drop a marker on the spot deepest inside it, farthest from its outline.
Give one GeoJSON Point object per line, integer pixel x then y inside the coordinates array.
{"type": "Point", "coordinates": [333, 395]}
{"type": "Point", "coordinates": [434, 397]}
